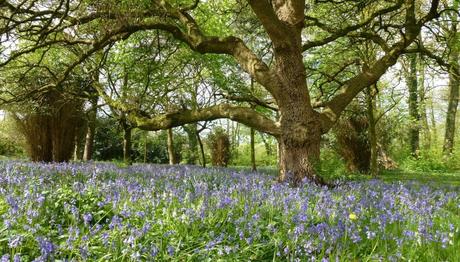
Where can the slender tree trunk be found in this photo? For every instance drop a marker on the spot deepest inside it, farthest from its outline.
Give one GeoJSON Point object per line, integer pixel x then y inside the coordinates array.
{"type": "Point", "coordinates": [78, 152]}
{"type": "Point", "coordinates": [252, 136]}
{"type": "Point", "coordinates": [253, 153]}
{"type": "Point", "coordinates": [127, 155]}
{"type": "Point", "coordinates": [422, 100]}
{"type": "Point", "coordinates": [79, 140]}
{"type": "Point", "coordinates": [200, 143]}
{"type": "Point", "coordinates": [434, 130]}
{"type": "Point", "coordinates": [454, 84]}
{"type": "Point", "coordinates": [372, 130]}
{"type": "Point", "coordinates": [145, 145]}
{"type": "Point", "coordinates": [235, 139]}
{"type": "Point", "coordinates": [91, 130]}
{"type": "Point", "coordinates": [268, 146]}
{"type": "Point", "coordinates": [414, 130]}
{"type": "Point", "coordinates": [171, 155]}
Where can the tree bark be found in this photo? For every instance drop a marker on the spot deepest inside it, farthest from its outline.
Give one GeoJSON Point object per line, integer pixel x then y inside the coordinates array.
{"type": "Point", "coordinates": [268, 146]}
{"type": "Point", "coordinates": [414, 129]}
{"type": "Point", "coordinates": [434, 129]}
{"type": "Point", "coordinates": [253, 153]}
{"type": "Point", "coordinates": [146, 146]}
{"type": "Point", "coordinates": [300, 157]}
{"type": "Point", "coordinates": [252, 138]}
{"type": "Point", "coordinates": [171, 154]}
{"type": "Point", "coordinates": [78, 152]}
{"type": "Point", "coordinates": [200, 143]}
{"type": "Point", "coordinates": [372, 130]}
{"type": "Point", "coordinates": [127, 156]}
{"type": "Point", "coordinates": [454, 84]}
{"type": "Point", "coordinates": [91, 130]}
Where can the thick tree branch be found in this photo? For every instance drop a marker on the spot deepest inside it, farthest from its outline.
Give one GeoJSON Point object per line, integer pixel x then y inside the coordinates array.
{"type": "Point", "coordinates": [242, 115]}
{"type": "Point", "coordinates": [239, 114]}
{"type": "Point", "coordinates": [276, 30]}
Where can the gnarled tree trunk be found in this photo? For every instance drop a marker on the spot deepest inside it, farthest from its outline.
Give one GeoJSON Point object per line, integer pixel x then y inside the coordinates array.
{"type": "Point", "coordinates": [300, 125]}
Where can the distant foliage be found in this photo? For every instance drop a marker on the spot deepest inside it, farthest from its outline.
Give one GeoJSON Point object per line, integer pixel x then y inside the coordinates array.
{"type": "Point", "coordinates": [219, 143]}
{"type": "Point", "coordinates": [108, 144]}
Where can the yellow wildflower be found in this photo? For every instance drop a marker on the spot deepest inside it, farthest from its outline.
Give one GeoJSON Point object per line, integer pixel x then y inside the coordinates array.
{"type": "Point", "coordinates": [352, 216]}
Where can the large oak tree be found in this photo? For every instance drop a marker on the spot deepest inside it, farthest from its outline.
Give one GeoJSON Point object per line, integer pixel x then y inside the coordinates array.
{"type": "Point", "coordinates": [293, 29]}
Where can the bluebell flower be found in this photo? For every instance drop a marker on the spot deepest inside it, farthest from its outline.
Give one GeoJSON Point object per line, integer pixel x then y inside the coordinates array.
{"type": "Point", "coordinates": [87, 218]}
{"type": "Point", "coordinates": [15, 241]}
{"type": "Point", "coordinates": [46, 247]}
{"type": "Point", "coordinates": [170, 250]}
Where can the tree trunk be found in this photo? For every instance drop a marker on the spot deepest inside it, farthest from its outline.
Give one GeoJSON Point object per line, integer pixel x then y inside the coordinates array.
{"type": "Point", "coordinates": [414, 130]}
{"type": "Point", "coordinates": [78, 152]}
{"type": "Point", "coordinates": [422, 102]}
{"type": "Point", "coordinates": [300, 157]}
{"type": "Point", "coordinates": [171, 155]}
{"type": "Point", "coordinates": [434, 130]}
{"type": "Point", "coordinates": [235, 139]}
{"type": "Point", "coordinates": [300, 125]}
{"type": "Point", "coordinates": [146, 135]}
{"type": "Point", "coordinates": [127, 158]}
{"type": "Point", "coordinates": [91, 130]}
{"type": "Point", "coordinates": [253, 153]}
{"type": "Point", "coordinates": [268, 146]}
{"type": "Point", "coordinates": [200, 143]}
{"type": "Point", "coordinates": [454, 84]}
{"type": "Point", "coordinates": [372, 130]}
{"type": "Point", "coordinates": [80, 133]}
